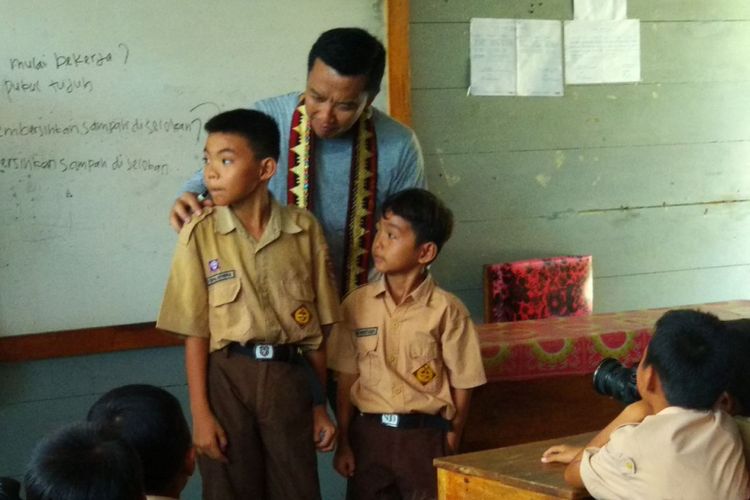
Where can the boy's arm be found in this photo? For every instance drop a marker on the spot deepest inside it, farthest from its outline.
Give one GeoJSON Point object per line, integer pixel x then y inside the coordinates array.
{"type": "Point", "coordinates": [632, 414]}
{"type": "Point", "coordinates": [208, 435]}
{"type": "Point", "coordinates": [343, 461]}
{"type": "Point", "coordinates": [324, 432]}
{"type": "Point", "coordinates": [462, 399]}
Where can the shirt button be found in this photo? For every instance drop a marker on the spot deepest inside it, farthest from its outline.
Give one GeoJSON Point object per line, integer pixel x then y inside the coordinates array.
{"type": "Point", "coordinates": [397, 390]}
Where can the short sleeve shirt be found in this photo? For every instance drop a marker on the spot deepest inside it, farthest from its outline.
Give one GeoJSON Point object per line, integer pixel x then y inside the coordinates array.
{"type": "Point", "coordinates": [226, 286]}
{"type": "Point", "coordinates": [677, 453]}
{"type": "Point", "coordinates": [407, 356]}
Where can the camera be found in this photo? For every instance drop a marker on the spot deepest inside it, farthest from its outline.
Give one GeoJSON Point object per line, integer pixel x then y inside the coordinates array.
{"type": "Point", "coordinates": [612, 379]}
{"type": "Point", "coordinates": [10, 489]}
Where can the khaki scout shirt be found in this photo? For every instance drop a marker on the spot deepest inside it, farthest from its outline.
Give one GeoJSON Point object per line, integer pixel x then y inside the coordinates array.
{"type": "Point", "coordinates": [677, 453]}
{"type": "Point", "coordinates": [408, 356]}
{"type": "Point", "coordinates": [228, 287]}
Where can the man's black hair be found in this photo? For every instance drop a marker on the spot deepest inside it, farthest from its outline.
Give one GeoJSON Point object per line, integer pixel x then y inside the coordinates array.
{"type": "Point", "coordinates": [430, 219]}
{"type": "Point", "coordinates": [151, 421]}
{"type": "Point", "coordinates": [351, 52]}
{"type": "Point", "coordinates": [691, 354]}
{"type": "Point", "coordinates": [78, 463]}
{"type": "Point", "coordinates": [259, 130]}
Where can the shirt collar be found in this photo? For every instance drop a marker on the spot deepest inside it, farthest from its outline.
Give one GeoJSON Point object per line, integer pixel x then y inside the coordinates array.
{"type": "Point", "coordinates": [279, 221]}
{"type": "Point", "coordinates": [420, 294]}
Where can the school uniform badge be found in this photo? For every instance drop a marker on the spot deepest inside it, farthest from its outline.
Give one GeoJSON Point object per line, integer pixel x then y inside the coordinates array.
{"type": "Point", "coordinates": [366, 332]}
{"type": "Point", "coordinates": [302, 315]}
{"type": "Point", "coordinates": [213, 265]}
{"type": "Point", "coordinates": [424, 374]}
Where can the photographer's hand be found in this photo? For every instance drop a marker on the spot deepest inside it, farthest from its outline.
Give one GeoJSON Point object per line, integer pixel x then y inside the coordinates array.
{"type": "Point", "coordinates": [560, 453]}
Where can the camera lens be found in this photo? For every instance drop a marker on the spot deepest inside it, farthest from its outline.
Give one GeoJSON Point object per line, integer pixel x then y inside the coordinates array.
{"type": "Point", "coordinates": [612, 379]}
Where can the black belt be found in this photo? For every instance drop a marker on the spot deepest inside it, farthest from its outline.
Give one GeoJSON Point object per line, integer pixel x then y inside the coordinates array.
{"type": "Point", "coordinates": [409, 420]}
{"type": "Point", "coordinates": [267, 352]}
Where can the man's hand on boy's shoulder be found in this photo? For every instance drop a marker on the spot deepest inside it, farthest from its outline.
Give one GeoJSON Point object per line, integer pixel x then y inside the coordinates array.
{"type": "Point", "coordinates": [184, 208]}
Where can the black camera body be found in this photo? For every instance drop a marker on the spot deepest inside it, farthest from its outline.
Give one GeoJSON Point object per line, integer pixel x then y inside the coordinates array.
{"type": "Point", "coordinates": [613, 379]}
{"type": "Point", "coordinates": [10, 489]}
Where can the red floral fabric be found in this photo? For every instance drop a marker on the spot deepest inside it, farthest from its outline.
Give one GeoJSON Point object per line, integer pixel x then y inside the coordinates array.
{"type": "Point", "coordinates": [538, 288]}
{"type": "Point", "coordinates": [559, 346]}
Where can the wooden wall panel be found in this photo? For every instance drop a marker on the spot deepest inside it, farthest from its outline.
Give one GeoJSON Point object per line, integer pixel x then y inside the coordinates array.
{"type": "Point", "coordinates": [555, 183]}
{"type": "Point", "coordinates": [436, 11]}
{"type": "Point", "coordinates": [652, 178]}
{"type": "Point", "coordinates": [698, 52]}
{"type": "Point", "coordinates": [596, 116]}
{"type": "Point", "coordinates": [626, 241]}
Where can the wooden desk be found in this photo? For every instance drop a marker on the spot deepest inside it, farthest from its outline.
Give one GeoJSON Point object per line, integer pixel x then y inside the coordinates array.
{"type": "Point", "coordinates": [512, 472]}
{"type": "Point", "coordinates": [540, 373]}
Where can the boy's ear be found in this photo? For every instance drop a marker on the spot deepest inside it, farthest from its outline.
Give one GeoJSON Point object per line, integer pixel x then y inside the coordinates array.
{"type": "Point", "coordinates": [268, 168]}
{"type": "Point", "coordinates": [427, 253]}
{"type": "Point", "coordinates": [652, 383]}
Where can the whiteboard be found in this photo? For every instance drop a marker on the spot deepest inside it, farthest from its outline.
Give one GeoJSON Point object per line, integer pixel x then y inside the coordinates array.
{"type": "Point", "coordinates": [102, 105]}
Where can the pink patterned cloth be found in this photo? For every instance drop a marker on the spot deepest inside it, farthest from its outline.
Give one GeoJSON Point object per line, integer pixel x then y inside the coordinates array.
{"type": "Point", "coordinates": [538, 288]}
{"type": "Point", "coordinates": [557, 346]}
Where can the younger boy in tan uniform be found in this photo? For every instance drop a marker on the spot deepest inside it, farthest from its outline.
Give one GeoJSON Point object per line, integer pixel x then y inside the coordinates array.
{"type": "Point", "coordinates": [674, 442]}
{"type": "Point", "coordinates": [406, 357]}
{"type": "Point", "coordinates": [250, 289]}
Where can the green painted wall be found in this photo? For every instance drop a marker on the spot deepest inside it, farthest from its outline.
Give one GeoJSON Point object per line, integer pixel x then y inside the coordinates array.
{"type": "Point", "coordinates": [652, 179]}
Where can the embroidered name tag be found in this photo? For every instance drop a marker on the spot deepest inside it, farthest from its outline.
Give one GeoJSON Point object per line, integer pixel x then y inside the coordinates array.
{"type": "Point", "coordinates": [226, 275]}
{"type": "Point", "coordinates": [366, 332]}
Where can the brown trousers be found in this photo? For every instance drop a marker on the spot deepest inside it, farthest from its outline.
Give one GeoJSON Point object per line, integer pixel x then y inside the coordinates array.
{"type": "Point", "coordinates": [394, 464]}
{"type": "Point", "coordinates": [265, 408]}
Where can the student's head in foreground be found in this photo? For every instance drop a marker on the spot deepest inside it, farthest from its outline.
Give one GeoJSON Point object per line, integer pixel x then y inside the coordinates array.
{"type": "Point", "coordinates": [413, 227]}
{"type": "Point", "coordinates": [687, 361]}
{"type": "Point", "coordinates": [151, 421]}
{"type": "Point", "coordinates": [344, 70]}
{"type": "Point", "coordinates": [739, 389]}
{"type": "Point", "coordinates": [240, 155]}
{"type": "Point", "coordinates": [79, 463]}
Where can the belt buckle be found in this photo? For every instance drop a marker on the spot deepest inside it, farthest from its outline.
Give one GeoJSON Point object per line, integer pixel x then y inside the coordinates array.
{"type": "Point", "coordinates": [389, 419]}
{"type": "Point", "coordinates": [263, 351]}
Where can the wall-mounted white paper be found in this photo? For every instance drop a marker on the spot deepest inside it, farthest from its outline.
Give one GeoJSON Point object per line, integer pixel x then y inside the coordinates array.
{"type": "Point", "coordinates": [600, 10]}
{"type": "Point", "coordinates": [516, 57]}
{"type": "Point", "coordinates": [602, 51]}
{"type": "Point", "coordinates": [539, 58]}
{"type": "Point", "coordinates": [493, 56]}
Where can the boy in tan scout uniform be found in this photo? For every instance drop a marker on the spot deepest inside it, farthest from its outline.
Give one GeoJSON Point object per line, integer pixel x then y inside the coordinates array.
{"type": "Point", "coordinates": [250, 289]}
{"type": "Point", "coordinates": [674, 442]}
{"type": "Point", "coordinates": [406, 357]}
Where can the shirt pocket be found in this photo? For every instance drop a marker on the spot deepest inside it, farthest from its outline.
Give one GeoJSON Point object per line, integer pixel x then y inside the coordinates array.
{"type": "Point", "coordinates": [299, 307]}
{"type": "Point", "coordinates": [228, 316]}
{"type": "Point", "coordinates": [367, 359]}
{"type": "Point", "coordinates": [425, 363]}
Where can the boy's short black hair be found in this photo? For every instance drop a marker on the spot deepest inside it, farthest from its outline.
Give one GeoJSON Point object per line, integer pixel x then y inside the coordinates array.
{"type": "Point", "coordinates": [738, 332]}
{"type": "Point", "coordinates": [150, 420]}
{"type": "Point", "coordinates": [351, 52]}
{"type": "Point", "coordinates": [78, 463]}
{"type": "Point", "coordinates": [430, 219]}
{"type": "Point", "coordinates": [259, 130]}
{"type": "Point", "coordinates": [691, 354]}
